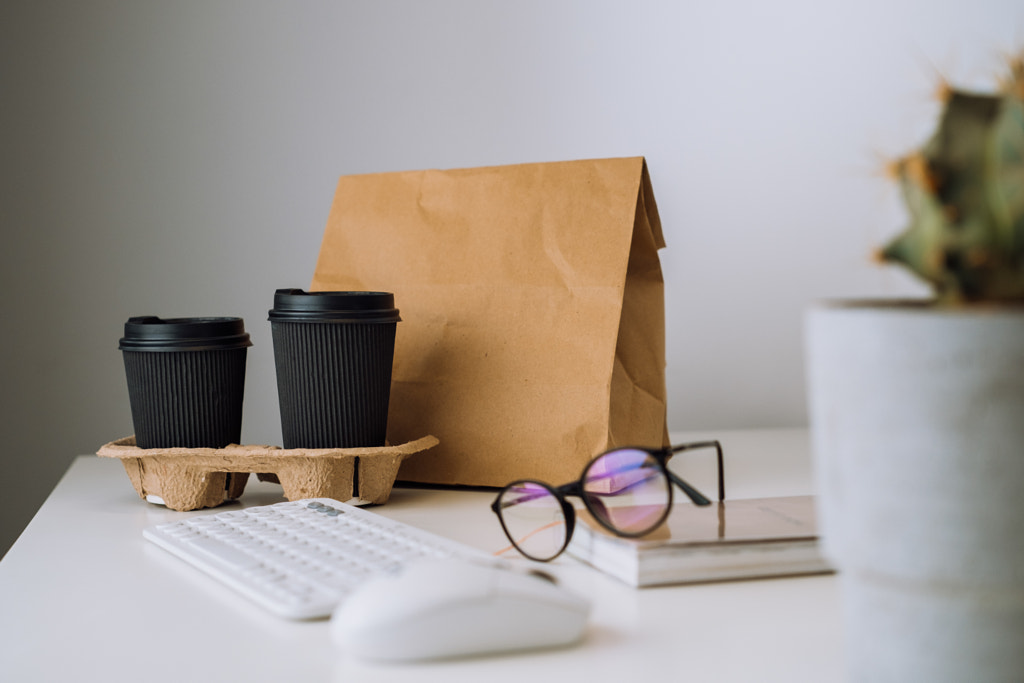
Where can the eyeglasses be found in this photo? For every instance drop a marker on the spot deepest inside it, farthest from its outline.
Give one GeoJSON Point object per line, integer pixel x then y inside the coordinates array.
{"type": "Point", "coordinates": [627, 490]}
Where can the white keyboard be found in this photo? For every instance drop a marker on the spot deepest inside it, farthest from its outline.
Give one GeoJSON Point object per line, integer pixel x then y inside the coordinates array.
{"type": "Point", "coordinates": [301, 558]}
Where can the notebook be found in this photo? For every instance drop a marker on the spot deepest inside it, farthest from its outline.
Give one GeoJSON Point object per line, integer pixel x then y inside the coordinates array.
{"type": "Point", "coordinates": [735, 539]}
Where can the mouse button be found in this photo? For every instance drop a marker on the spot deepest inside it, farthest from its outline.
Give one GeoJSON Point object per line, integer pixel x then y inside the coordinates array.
{"type": "Point", "coordinates": [419, 589]}
{"type": "Point", "coordinates": [446, 579]}
{"type": "Point", "coordinates": [426, 586]}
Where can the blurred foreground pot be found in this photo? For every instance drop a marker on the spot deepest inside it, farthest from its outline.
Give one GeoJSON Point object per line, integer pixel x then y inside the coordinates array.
{"type": "Point", "coordinates": [917, 422]}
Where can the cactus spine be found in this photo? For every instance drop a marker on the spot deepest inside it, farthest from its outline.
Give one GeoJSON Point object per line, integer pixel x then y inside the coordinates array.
{"type": "Point", "coordinates": [964, 191]}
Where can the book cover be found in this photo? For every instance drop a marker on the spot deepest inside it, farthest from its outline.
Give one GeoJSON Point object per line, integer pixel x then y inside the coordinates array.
{"type": "Point", "coordinates": [735, 539]}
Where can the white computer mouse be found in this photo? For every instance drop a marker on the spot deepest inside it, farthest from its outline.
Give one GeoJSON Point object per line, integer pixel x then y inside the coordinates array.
{"type": "Point", "coordinates": [436, 609]}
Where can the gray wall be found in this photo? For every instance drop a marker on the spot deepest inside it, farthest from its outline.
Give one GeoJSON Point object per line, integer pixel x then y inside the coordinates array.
{"type": "Point", "coordinates": [178, 158]}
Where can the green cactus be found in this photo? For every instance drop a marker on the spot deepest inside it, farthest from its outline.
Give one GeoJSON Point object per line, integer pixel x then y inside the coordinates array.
{"type": "Point", "coordinates": [964, 191]}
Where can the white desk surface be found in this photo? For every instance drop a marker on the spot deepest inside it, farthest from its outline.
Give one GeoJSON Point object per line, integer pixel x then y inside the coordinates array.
{"type": "Point", "coordinates": [84, 598]}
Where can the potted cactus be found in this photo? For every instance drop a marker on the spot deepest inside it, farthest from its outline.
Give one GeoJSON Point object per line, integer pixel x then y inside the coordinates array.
{"type": "Point", "coordinates": [917, 416]}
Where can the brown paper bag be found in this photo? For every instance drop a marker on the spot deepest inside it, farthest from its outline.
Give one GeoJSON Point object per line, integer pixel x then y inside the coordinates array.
{"type": "Point", "coordinates": [532, 303]}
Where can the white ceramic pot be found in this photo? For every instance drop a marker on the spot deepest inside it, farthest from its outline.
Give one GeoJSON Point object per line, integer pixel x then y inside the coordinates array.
{"type": "Point", "coordinates": [917, 424]}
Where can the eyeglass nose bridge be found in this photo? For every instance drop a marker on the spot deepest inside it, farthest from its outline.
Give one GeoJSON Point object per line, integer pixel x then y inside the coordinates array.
{"type": "Point", "coordinates": [593, 505]}
{"type": "Point", "coordinates": [573, 488]}
{"type": "Point", "coordinates": [568, 511]}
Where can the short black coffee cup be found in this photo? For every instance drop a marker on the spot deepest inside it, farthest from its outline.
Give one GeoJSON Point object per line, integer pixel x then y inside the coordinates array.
{"type": "Point", "coordinates": [333, 352]}
{"type": "Point", "coordinates": [186, 379]}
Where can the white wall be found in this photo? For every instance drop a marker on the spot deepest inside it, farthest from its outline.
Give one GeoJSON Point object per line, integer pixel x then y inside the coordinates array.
{"type": "Point", "coordinates": [178, 158]}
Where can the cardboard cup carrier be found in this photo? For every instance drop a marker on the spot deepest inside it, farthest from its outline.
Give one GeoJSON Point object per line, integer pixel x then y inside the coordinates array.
{"type": "Point", "coordinates": [333, 352]}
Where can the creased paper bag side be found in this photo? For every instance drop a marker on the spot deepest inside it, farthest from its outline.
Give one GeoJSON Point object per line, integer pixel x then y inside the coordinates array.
{"type": "Point", "coordinates": [638, 410]}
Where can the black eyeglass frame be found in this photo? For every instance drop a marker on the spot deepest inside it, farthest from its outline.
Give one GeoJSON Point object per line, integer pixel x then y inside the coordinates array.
{"type": "Point", "coordinates": [575, 488]}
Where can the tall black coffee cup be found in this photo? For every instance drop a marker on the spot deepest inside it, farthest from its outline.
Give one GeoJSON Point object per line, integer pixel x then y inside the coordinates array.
{"type": "Point", "coordinates": [333, 352]}
{"type": "Point", "coordinates": [186, 379]}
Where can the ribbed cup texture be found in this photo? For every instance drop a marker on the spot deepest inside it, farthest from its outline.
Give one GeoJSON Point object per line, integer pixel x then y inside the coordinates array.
{"type": "Point", "coordinates": [188, 399]}
{"type": "Point", "coordinates": [333, 382]}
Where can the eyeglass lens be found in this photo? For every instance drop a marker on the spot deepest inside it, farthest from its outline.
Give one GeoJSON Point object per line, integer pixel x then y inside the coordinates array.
{"type": "Point", "coordinates": [534, 520]}
{"type": "Point", "coordinates": [628, 490]}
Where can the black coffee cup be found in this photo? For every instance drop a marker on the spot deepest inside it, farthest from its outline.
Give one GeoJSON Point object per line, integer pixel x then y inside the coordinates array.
{"type": "Point", "coordinates": [333, 353]}
{"type": "Point", "coordinates": [186, 379]}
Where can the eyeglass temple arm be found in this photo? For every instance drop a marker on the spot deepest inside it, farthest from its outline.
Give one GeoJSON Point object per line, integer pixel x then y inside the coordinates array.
{"type": "Point", "coordinates": [689, 490]}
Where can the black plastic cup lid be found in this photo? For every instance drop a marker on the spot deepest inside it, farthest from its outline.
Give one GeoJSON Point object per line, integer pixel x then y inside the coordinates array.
{"type": "Point", "coordinates": [150, 333]}
{"type": "Point", "coordinates": [296, 305]}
